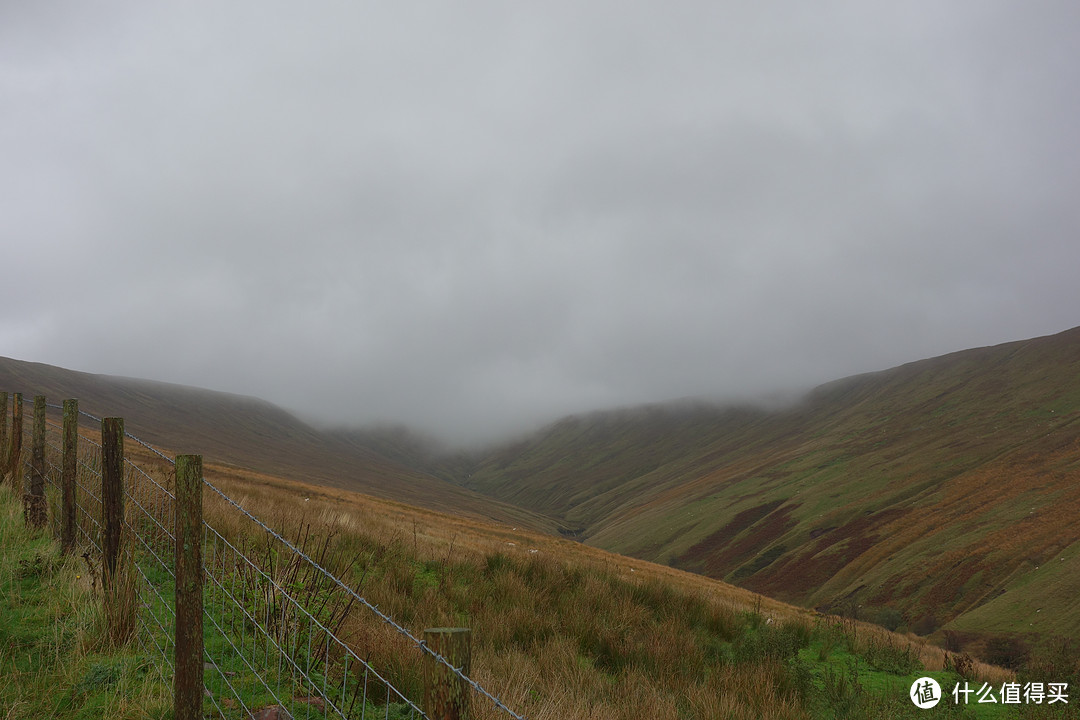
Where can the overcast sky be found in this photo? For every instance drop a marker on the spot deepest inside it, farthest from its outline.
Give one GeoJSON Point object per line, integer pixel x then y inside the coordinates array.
{"type": "Point", "coordinates": [475, 216]}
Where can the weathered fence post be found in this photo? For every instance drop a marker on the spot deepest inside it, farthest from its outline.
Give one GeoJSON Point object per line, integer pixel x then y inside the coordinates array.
{"type": "Point", "coordinates": [14, 459]}
{"type": "Point", "coordinates": [3, 435]}
{"type": "Point", "coordinates": [446, 695]}
{"type": "Point", "coordinates": [68, 470]}
{"type": "Point", "coordinates": [34, 500]}
{"type": "Point", "coordinates": [188, 679]}
{"type": "Point", "coordinates": [112, 496]}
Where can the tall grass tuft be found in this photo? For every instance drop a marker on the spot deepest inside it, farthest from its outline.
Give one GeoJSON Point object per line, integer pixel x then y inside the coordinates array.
{"type": "Point", "coordinates": [120, 602]}
{"type": "Point", "coordinates": [56, 660]}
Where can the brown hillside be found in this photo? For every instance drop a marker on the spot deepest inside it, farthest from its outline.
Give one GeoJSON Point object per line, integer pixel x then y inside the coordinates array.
{"type": "Point", "coordinates": [941, 489]}
{"type": "Point", "coordinates": [250, 433]}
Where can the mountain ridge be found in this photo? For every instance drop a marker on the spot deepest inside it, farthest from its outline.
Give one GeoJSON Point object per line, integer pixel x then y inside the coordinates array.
{"type": "Point", "coordinates": [833, 500]}
{"type": "Point", "coordinates": [943, 494]}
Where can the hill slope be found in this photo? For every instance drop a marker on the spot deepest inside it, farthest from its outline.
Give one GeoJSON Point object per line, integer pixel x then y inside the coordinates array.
{"type": "Point", "coordinates": [947, 489]}
{"type": "Point", "coordinates": [250, 433]}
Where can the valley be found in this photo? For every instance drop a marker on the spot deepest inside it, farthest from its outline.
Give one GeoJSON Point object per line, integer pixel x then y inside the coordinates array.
{"type": "Point", "coordinates": [940, 497]}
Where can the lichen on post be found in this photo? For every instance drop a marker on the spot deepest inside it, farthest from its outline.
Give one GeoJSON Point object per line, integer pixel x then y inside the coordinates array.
{"type": "Point", "coordinates": [34, 500]}
{"type": "Point", "coordinates": [188, 660]}
{"type": "Point", "coordinates": [68, 472]}
{"type": "Point", "coordinates": [14, 459]}
{"type": "Point", "coordinates": [112, 495]}
{"type": "Point", "coordinates": [446, 694]}
{"type": "Point", "coordinates": [3, 435]}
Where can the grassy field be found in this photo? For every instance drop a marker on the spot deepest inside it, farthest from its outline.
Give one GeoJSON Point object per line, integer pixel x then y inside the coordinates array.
{"type": "Point", "coordinates": [56, 659]}
{"type": "Point", "coordinates": [561, 630]}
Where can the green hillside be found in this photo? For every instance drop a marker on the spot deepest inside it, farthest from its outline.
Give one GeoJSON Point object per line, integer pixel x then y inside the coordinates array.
{"type": "Point", "coordinates": [942, 494]}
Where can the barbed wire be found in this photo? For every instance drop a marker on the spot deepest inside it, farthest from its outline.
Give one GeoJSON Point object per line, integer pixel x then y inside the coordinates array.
{"type": "Point", "coordinates": [333, 579]}
{"type": "Point", "coordinates": [363, 601]}
{"type": "Point", "coordinates": [145, 444]}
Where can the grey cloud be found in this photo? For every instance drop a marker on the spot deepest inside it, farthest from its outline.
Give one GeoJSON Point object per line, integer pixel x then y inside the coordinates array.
{"type": "Point", "coordinates": [475, 218]}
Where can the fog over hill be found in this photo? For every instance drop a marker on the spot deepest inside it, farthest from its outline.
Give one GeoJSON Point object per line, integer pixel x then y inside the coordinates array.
{"type": "Point", "coordinates": [250, 433]}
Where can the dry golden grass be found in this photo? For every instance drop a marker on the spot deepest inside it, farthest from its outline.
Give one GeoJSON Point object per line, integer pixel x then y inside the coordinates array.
{"type": "Point", "coordinates": [560, 629]}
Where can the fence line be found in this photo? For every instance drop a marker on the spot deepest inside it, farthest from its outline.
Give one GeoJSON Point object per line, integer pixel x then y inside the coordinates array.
{"type": "Point", "coordinates": [272, 616]}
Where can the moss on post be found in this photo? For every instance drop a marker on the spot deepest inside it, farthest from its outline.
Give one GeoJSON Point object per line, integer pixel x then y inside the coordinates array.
{"type": "Point", "coordinates": [68, 470]}
{"type": "Point", "coordinates": [446, 694]}
{"type": "Point", "coordinates": [188, 666]}
{"type": "Point", "coordinates": [34, 500]}
{"type": "Point", "coordinates": [14, 460]}
{"type": "Point", "coordinates": [3, 435]}
{"type": "Point", "coordinates": [112, 496]}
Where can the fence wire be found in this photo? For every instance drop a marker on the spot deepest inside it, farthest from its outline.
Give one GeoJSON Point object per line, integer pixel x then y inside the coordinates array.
{"type": "Point", "coordinates": [273, 612]}
{"type": "Point", "coordinates": [145, 572]}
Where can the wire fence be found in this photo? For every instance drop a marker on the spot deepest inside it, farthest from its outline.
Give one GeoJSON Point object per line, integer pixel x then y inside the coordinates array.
{"type": "Point", "coordinates": [273, 608]}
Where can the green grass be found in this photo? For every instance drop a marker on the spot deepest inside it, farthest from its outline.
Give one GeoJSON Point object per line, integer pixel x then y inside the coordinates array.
{"type": "Point", "coordinates": [622, 635]}
{"type": "Point", "coordinates": [874, 682]}
{"type": "Point", "coordinates": [55, 660]}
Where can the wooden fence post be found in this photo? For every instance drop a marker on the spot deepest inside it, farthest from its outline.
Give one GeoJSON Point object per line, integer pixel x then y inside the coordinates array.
{"type": "Point", "coordinates": [112, 496]}
{"type": "Point", "coordinates": [446, 695]}
{"type": "Point", "coordinates": [68, 473]}
{"type": "Point", "coordinates": [34, 508]}
{"type": "Point", "coordinates": [3, 435]}
{"type": "Point", "coordinates": [188, 667]}
{"type": "Point", "coordinates": [14, 465]}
